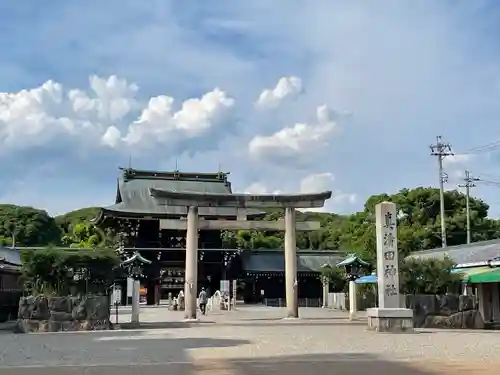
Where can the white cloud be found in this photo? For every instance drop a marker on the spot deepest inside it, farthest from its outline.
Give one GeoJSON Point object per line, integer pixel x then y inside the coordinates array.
{"type": "Point", "coordinates": [38, 116]}
{"type": "Point", "coordinates": [458, 159]}
{"type": "Point", "coordinates": [286, 87]}
{"type": "Point", "coordinates": [49, 113]}
{"type": "Point", "coordinates": [260, 188]}
{"type": "Point", "coordinates": [256, 188]}
{"type": "Point", "coordinates": [338, 197]}
{"type": "Point", "coordinates": [294, 141]}
{"type": "Point", "coordinates": [316, 183]}
{"type": "Point", "coordinates": [113, 98]}
{"type": "Point", "coordinates": [111, 137]}
{"type": "Point", "coordinates": [313, 183]}
{"type": "Point", "coordinates": [319, 182]}
{"type": "Point", "coordinates": [161, 123]}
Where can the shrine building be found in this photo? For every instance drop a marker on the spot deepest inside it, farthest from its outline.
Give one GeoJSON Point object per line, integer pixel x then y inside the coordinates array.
{"type": "Point", "coordinates": [146, 224]}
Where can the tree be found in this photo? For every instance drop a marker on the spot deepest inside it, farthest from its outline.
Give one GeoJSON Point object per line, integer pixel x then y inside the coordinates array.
{"type": "Point", "coordinates": [28, 226]}
{"type": "Point", "coordinates": [54, 271]}
{"type": "Point", "coordinates": [419, 226]}
{"type": "Point", "coordinates": [69, 220]}
{"type": "Point", "coordinates": [428, 276]}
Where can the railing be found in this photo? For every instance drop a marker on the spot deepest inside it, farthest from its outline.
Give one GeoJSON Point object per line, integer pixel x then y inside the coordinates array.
{"type": "Point", "coordinates": [302, 302]}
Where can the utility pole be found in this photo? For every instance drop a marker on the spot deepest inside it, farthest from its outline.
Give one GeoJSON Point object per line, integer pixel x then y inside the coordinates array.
{"type": "Point", "coordinates": [441, 150]}
{"type": "Point", "coordinates": [469, 183]}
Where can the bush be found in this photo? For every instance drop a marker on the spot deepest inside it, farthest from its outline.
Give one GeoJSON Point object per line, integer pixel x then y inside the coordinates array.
{"type": "Point", "coordinates": [53, 271]}
{"type": "Point", "coordinates": [427, 276]}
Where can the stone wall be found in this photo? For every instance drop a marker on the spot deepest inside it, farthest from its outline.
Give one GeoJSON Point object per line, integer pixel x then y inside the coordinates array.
{"type": "Point", "coordinates": [447, 311]}
{"type": "Point", "coordinates": [53, 314]}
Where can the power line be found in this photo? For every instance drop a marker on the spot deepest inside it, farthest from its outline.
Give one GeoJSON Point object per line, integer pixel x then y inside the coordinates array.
{"type": "Point", "coordinates": [489, 147]}
{"type": "Point", "coordinates": [489, 182]}
{"type": "Point", "coordinates": [441, 150]}
{"type": "Point", "coordinates": [469, 183]}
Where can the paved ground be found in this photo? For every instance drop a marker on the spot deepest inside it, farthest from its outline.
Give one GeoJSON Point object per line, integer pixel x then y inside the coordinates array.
{"type": "Point", "coordinates": [247, 342]}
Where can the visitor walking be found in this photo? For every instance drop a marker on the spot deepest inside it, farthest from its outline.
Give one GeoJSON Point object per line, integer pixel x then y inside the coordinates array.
{"type": "Point", "coordinates": [202, 300]}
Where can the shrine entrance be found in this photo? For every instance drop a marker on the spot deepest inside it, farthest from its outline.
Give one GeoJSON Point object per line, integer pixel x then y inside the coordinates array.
{"type": "Point", "coordinates": [241, 202]}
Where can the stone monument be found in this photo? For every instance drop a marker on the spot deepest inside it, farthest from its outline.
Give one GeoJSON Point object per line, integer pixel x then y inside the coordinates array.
{"type": "Point", "coordinates": [390, 316]}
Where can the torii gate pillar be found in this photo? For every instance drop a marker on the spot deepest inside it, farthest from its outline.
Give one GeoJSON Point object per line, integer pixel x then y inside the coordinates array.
{"type": "Point", "coordinates": [191, 275]}
{"type": "Point", "coordinates": [291, 290]}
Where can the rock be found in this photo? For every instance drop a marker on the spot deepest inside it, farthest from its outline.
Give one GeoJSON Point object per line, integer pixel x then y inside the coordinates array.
{"type": "Point", "coordinates": [422, 305]}
{"type": "Point", "coordinates": [36, 308]}
{"type": "Point", "coordinates": [466, 303]}
{"type": "Point", "coordinates": [39, 314]}
{"type": "Point", "coordinates": [98, 308]}
{"type": "Point", "coordinates": [472, 319]}
{"type": "Point", "coordinates": [60, 304]}
{"type": "Point", "coordinates": [448, 311]}
{"type": "Point", "coordinates": [448, 304]}
{"type": "Point", "coordinates": [27, 326]}
{"type": "Point", "coordinates": [435, 321]}
{"type": "Point", "coordinates": [60, 316]}
{"type": "Point", "coordinates": [92, 308]}
{"type": "Point", "coordinates": [79, 312]}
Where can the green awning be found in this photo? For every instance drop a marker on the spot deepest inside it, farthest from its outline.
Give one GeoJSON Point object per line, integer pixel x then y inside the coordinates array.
{"type": "Point", "coordinates": [491, 275]}
{"type": "Point", "coordinates": [466, 273]}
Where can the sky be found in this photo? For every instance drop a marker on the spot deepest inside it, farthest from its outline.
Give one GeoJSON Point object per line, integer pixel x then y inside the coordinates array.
{"type": "Point", "coordinates": [287, 95]}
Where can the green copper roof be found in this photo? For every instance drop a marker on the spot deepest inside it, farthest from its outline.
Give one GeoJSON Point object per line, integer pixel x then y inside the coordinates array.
{"type": "Point", "coordinates": [134, 198]}
{"type": "Point", "coordinates": [351, 259]}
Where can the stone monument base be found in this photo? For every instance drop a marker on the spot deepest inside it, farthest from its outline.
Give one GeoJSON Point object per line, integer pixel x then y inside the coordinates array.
{"type": "Point", "coordinates": [396, 320]}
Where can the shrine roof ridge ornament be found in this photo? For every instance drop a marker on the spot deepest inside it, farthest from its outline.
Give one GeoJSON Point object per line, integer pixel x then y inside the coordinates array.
{"type": "Point", "coordinates": [131, 174]}
{"type": "Point", "coordinates": [192, 198]}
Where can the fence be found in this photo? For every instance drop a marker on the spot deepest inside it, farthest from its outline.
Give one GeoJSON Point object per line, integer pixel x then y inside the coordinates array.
{"type": "Point", "coordinates": [340, 301]}
{"type": "Point", "coordinates": [302, 302]}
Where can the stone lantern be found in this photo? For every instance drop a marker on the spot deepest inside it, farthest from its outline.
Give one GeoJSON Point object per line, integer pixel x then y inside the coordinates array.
{"type": "Point", "coordinates": [135, 269]}
{"type": "Point", "coordinates": [353, 266]}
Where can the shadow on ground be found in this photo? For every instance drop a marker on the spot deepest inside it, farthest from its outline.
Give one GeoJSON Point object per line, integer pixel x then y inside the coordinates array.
{"type": "Point", "coordinates": [338, 364]}
{"type": "Point", "coordinates": [282, 322]}
{"type": "Point", "coordinates": [270, 322]}
{"type": "Point", "coordinates": [63, 353]}
{"type": "Point", "coordinates": [331, 364]}
{"type": "Point", "coordinates": [163, 325]}
{"type": "Point", "coordinates": [327, 318]}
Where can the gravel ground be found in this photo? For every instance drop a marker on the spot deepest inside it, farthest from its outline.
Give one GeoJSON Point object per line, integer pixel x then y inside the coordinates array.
{"type": "Point", "coordinates": [249, 341]}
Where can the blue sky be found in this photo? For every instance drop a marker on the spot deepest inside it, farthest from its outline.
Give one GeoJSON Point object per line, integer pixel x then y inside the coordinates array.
{"type": "Point", "coordinates": [356, 93]}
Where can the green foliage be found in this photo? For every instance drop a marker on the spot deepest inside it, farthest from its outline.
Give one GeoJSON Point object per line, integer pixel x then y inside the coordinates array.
{"type": "Point", "coordinates": [418, 226]}
{"type": "Point", "coordinates": [56, 271]}
{"type": "Point", "coordinates": [336, 278]}
{"type": "Point", "coordinates": [427, 276]}
{"type": "Point", "coordinates": [27, 226]}
{"type": "Point", "coordinates": [419, 222]}
{"type": "Point", "coordinates": [69, 220]}
{"type": "Point", "coordinates": [84, 235]}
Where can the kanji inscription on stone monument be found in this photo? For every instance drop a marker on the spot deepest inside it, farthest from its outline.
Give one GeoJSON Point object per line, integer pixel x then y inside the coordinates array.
{"type": "Point", "coordinates": [387, 255]}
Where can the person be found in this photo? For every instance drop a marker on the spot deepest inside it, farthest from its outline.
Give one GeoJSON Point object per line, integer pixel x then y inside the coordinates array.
{"type": "Point", "coordinates": [203, 299]}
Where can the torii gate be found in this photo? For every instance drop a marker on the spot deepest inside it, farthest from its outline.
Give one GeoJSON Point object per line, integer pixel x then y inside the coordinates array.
{"type": "Point", "coordinates": [194, 200]}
